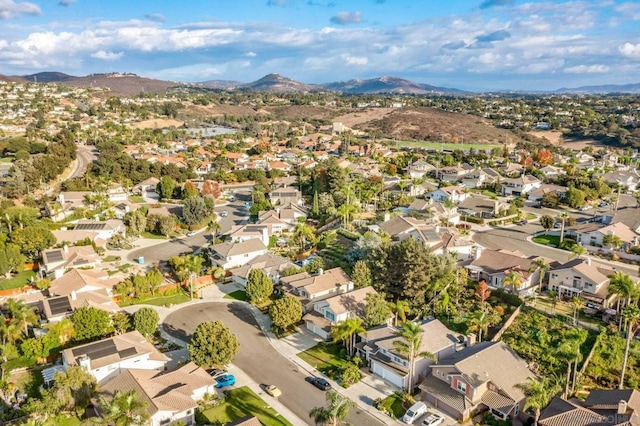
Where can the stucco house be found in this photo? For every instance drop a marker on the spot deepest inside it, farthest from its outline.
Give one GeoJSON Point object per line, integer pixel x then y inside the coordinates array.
{"type": "Point", "coordinates": [493, 266]}
{"type": "Point", "coordinates": [451, 193]}
{"type": "Point", "coordinates": [579, 278]}
{"type": "Point", "coordinates": [310, 288]}
{"type": "Point", "coordinates": [229, 255]}
{"type": "Point", "coordinates": [270, 263]}
{"type": "Point", "coordinates": [521, 185]}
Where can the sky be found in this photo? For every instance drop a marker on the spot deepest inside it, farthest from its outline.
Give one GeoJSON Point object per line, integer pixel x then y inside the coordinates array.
{"type": "Point", "coordinates": [476, 45]}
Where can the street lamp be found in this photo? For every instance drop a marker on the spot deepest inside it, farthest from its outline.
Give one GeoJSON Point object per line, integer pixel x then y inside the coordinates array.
{"type": "Point", "coordinates": [192, 276]}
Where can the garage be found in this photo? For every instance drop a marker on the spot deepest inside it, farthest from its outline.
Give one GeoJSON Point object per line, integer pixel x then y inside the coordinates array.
{"type": "Point", "coordinates": [316, 329]}
{"type": "Point", "coordinates": [387, 375]}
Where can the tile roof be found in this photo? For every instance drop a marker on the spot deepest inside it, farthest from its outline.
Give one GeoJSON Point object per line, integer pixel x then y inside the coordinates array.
{"type": "Point", "coordinates": [352, 301]}
{"type": "Point", "coordinates": [564, 413]}
{"type": "Point", "coordinates": [313, 284]}
{"type": "Point", "coordinates": [234, 249]}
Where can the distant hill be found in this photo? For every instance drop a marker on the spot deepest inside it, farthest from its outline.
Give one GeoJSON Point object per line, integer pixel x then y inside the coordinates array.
{"type": "Point", "coordinates": [386, 85]}
{"type": "Point", "coordinates": [278, 83]}
{"type": "Point", "coordinates": [48, 77]}
{"type": "Point", "coordinates": [605, 88]}
{"type": "Point", "coordinates": [222, 84]}
{"type": "Point", "coordinates": [11, 79]}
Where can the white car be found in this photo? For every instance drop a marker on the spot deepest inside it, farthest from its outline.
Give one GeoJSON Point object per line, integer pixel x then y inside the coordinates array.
{"type": "Point", "coordinates": [433, 419]}
{"type": "Point", "coordinates": [224, 214]}
{"type": "Point", "coordinates": [191, 233]}
{"type": "Point", "coordinates": [414, 412]}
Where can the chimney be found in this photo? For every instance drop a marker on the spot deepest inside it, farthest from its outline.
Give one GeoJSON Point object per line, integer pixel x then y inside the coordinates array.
{"type": "Point", "coordinates": [387, 216]}
{"type": "Point", "coordinates": [622, 407]}
{"type": "Point", "coordinates": [588, 260]}
{"type": "Point", "coordinates": [437, 229]}
{"type": "Point", "coordinates": [321, 271]}
{"type": "Point", "coordinates": [496, 208]}
{"type": "Point", "coordinates": [477, 253]}
{"type": "Point", "coordinates": [73, 295]}
{"type": "Point", "coordinates": [471, 340]}
{"type": "Point", "coordinates": [84, 361]}
{"type": "Point", "coordinates": [65, 248]}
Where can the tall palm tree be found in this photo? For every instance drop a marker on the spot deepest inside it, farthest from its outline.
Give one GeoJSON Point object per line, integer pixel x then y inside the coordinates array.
{"type": "Point", "coordinates": [335, 412]}
{"type": "Point", "coordinates": [124, 409]}
{"type": "Point", "coordinates": [563, 217]}
{"type": "Point", "coordinates": [541, 265]}
{"type": "Point", "coordinates": [22, 314]}
{"type": "Point", "coordinates": [624, 288]}
{"type": "Point", "coordinates": [400, 309]}
{"type": "Point", "coordinates": [631, 314]}
{"type": "Point", "coordinates": [553, 296]}
{"type": "Point", "coordinates": [512, 279]}
{"type": "Point", "coordinates": [480, 321]}
{"type": "Point", "coordinates": [569, 351]}
{"type": "Point", "coordinates": [577, 304]}
{"type": "Point", "coordinates": [409, 344]}
{"type": "Point", "coordinates": [449, 204]}
{"type": "Point", "coordinates": [539, 393]}
{"type": "Point", "coordinates": [304, 233]}
{"type": "Point", "coordinates": [347, 331]}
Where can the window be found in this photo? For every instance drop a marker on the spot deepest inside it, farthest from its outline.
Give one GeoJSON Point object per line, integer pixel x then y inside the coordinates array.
{"type": "Point", "coordinates": [462, 386]}
{"type": "Point", "coordinates": [516, 409]}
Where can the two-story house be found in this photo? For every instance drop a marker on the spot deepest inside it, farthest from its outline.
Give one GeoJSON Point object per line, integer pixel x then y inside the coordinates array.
{"type": "Point", "coordinates": [579, 278]}
{"type": "Point", "coordinates": [520, 185]}
{"type": "Point", "coordinates": [329, 312]}
{"type": "Point", "coordinates": [483, 376]}
{"type": "Point", "coordinates": [56, 261]}
{"type": "Point", "coordinates": [602, 407]}
{"type": "Point", "coordinates": [147, 188]}
{"type": "Point", "coordinates": [229, 255]}
{"type": "Point", "coordinates": [402, 227]}
{"type": "Point", "coordinates": [419, 168]}
{"type": "Point", "coordinates": [310, 288]}
{"type": "Point", "coordinates": [378, 349]}
{"type": "Point", "coordinates": [453, 173]}
{"type": "Point", "coordinates": [493, 266]}
{"type": "Point", "coordinates": [448, 193]}
{"type": "Point", "coordinates": [593, 234]}
{"type": "Point", "coordinates": [285, 196]}
{"type": "Point", "coordinates": [108, 357]}
{"type": "Point", "coordinates": [270, 263]}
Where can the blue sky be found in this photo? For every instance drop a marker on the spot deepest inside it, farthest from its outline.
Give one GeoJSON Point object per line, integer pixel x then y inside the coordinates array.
{"type": "Point", "coordinates": [472, 45]}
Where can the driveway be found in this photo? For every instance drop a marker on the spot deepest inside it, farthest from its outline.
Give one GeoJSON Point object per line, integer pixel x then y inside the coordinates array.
{"type": "Point", "coordinates": [257, 357]}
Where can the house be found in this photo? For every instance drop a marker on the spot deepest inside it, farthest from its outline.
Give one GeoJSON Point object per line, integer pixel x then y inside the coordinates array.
{"type": "Point", "coordinates": [285, 196]}
{"type": "Point", "coordinates": [601, 408]}
{"type": "Point", "coordinates": [493, 266]}
{"type": "Point", "coordinates": [579, 278]}
{"type": "Point", "coordinates": [552, 171]}
{"type": "Point", "coordinates": [455, 194]}
{"type": "Point", "coordinates": [593, 234]}
{"type": "Point", "coordinates": [628, 180]}
{"type": "Point", "coordinates": [57, 308]}
{"type": "Point", "coordinates": [102, 230]}
{"type": "Point", "coordinates": [310, 288]}
{"type": "Point", "coordinates": [147, 188]}
{"type": "Point", "coordinates": [108, 357]}
{"type": "Point", "coordinates": [270, 263]}
{"type": "Point", "coordinates": [419, 168]}
{"type": "Point", "coordinates": [480, 178]}
{"type": "Point", "coordinates": [479, 377]}
{"type": "Point", "coordinates": [402, 227]}
{"type": "Point", "coordinates": [378, 350]}
{"type": "Point", "coordinates": [170, 396]}
{"type": "Point", "coordinates": [628, 216]}
{"type": "Point", "coordinates": [538, 193]}
{"type": "Point", "coordinates": [241, 233]}
{"type": "Point", "coordinates": [482, 207]}
{"type": "Point", "coordinates": [66, 203]}
{"type": "Point", "coordinates": [419, 189]}
{"type": "Point", "coordinates": [230, 255]}
{"type": "Point", "coordinates": [246, 421]}
{"type": "Point", "coordinates": [328, 312]}
{"type": "Point", "coordinates": [520, 185]}
{"type": "Point", "coordinates": [454, 173]}
{"type": "Point", "coordinates": [56, 261]}
{"type": "Point", "coordinates": [117, 193]}
{"type": "Point", "coordinates": [82, 280]}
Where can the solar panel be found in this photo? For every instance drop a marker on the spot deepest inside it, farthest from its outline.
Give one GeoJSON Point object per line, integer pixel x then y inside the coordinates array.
{"type": "Point", "coordinates": [97, 350]}
{"type": "Point", "coordinates": [59, 305]}
{"type": "Point", "coordinates": [90, 226]}
{"type": "Point", "coordinates": [127, 352]}
{"type": "Point", "coordinates": [55, 256]}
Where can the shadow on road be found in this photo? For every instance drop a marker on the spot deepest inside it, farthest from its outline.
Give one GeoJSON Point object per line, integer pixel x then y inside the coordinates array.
{"type": "Point", "coordinates": [178, 333]}
{"type": "Point", "coordinates": [243, 313]}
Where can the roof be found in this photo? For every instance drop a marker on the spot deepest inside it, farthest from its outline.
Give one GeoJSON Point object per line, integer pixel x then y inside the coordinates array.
{"type": "Point", "coordinates": [442, 391]}
{"type": "Point", "coordinates": [268, 262]}
{"type": "Point", "coordinates": [584, 267]}
{"type": "Point", "coordinates": [234, 249]}
{"type": "Point", "coordinates": [493, 261]}
{"type": "Point", "coordinates": [324, 281]}
{"type": "Point", "coordinates": [246, 421]}
{"type": "Point", "coordinates": [620, 229]}
{"type": "Point", "coordinates": [353, 301]}
{"type": "Point", "coordinates": [78, 279]}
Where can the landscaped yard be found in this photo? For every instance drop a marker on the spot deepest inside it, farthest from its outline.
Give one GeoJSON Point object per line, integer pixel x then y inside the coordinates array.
{"type": "Point", "coordinates": [136, 199]}
{"type": "Point", "coordinates": [242, 402]}
{"type": "Point", "coordinates": [19, 280]}
{"type": "Point", "coordinates": [153, 236]}
{"type": "Point", "coordinates": [162, 300]}
{"type": "Point", "coordinates": [325, 357]}
{"type": "Point", "coordinates": [392, 405]}
{"type": "Point", "coordinates": [237, 295]}
{"type": "Point", "coordinates": [547, 240]}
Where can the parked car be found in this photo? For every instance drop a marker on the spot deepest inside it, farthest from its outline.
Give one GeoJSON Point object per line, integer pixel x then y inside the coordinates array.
{"type": "Point", "coordinates": [273, 390]}
{"type": "Point", "coordinates": [603, 204]}
{"type": "Point", "coordinates": [231, 199]}
{"type": "Point", "coordinates": [320, 383]}
{"type": "Point", "coordinates": [585, 208]}
{"type": "Point", "coordinates": [433, 419]}
{"type": "Point", "coordinates": [215, 372]}
{"type": "Point", "coordinates": [224, 213]}
{"type": "Point", "coordinates": [191, 233]}
{"type": "Point", "coordinates": [414, 412]}
{"type": "Point", "coordinates": [226, 380]}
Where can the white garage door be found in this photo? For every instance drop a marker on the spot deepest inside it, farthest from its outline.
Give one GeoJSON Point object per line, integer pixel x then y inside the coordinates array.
{"type": "Point", "coordinates": [387, 375]}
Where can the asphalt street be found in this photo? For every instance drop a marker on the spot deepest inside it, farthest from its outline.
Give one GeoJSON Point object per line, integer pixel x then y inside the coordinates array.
{"type": "Point", "coordinates": [257, 358]}
{"type": "Point", "coordinates": [85, 155]}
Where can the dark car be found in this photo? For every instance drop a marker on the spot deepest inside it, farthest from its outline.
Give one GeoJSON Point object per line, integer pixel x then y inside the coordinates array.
{"type": "Point", "coordinates": [320, 383]}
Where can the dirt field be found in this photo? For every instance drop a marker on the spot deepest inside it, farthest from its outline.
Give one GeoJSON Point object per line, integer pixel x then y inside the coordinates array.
{"type": "Point", "coordinates": [556, 138]}
{"type": "Point", "coordinates": [157, 123]}
{"type": "Point", "coordinates": [364, 116]}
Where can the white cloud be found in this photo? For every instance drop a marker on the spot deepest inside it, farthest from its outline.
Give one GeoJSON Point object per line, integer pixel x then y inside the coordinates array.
{"type": "Point", "coordinates": [346, 18]}
{"type": "Point", "coordinates": [250, 54]}
{"type": "Point", "coordinates": [10, 9]}
{"type": "Point", "coordinates": [355, 60]}
{"type": "Point", "coordinates": [587, 69]}
{"type": "Point", "coordinates": [107, 56]}
{"type": "Point", "coordinates": [630, 50]}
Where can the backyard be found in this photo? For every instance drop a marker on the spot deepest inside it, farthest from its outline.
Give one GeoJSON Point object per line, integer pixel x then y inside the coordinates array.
{"type": "Point", "coordinates": [168, 299]}
{"type": "Point", "coordinates": [18, 280]}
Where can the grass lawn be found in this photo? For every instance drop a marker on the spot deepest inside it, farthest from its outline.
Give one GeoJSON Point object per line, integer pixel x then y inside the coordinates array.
{"type": "Point", "coordinates": [63, 421]}
{"type": "Point", "coordinates": [237, 295]}
{"type": "Point", "coordinates": [393, 406]}
{"type": "Point", "coordinates": [111, 258]}
{"type": "Point", "coordinates": [19, 280]}
{"type": "Point", "coordinates": [553, 240]}
{"type": "Point", "coordinates": [172, 299]}
{"type": "Point", "coordinates": [241, 402]}
{"type": "Point", "coordinates": [153, 236]}
{"type": "Point", "coordinates": [325, 356]}
{"type": "Point", "coordinates": [136, 199]}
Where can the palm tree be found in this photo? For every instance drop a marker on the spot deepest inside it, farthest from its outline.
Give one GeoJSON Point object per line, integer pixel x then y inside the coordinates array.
{"type": "Point", "coordinates": [304, 233]}
{"type": "Point", "coordinates": [540, 264]}
{"type": "Point", "coordinates": [623, 287]}
{"type": "Point", "coordinates": [124, 409]}
{"type": "Point", "coordinates": [512, 279]}
{"type": "Point", "coordinates": [553, 295]}
{"type": "Point", "coordinates": [563, 216]}
{"type": "Point", "coordinates": [631, 314]}
{"type": "Point", "coordinates": [22, 314]}
{"type": "Point", "coordinates": [346, 331]}
{"type": "Point", "coordinates": [449, 204]}
{"type": "Point", "coordinates": [336, 411]}
{"type": "Point", "coordinates": [577, 251]}
{"type": "Point", "coordinates": [539, 393]}
{"type": "Point", "coordinates": [400, 310]}
{"type": "Point", "coordinates": [481, 320]}
{"type": "Point", "coordinates": [577, 304]}
{"type": "Point", "coordinates": [569, 351]}
{"type": "Point", "coordinates": [409, 345]}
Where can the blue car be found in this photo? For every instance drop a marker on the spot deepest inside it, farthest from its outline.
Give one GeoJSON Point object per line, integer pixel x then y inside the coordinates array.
{"type": "Point", "coordinates": [226, 380]}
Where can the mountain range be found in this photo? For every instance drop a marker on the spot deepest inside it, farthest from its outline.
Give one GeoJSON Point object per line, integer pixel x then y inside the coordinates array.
{"type": "Point", "coordinates": [131, 84]}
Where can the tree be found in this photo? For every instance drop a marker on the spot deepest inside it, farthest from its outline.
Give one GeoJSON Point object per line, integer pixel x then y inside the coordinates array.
{"type": "Point", "coordinates": [189, 190]}
{"type": "Point", "coordinates": [512, 279]}
{"type": "Point", "coordinates": [631, 314]}
{"type": "Point", "coordinates": [146, 320]}
{"type": "Point", "coordinates": [195, 210]}
{"type": "Point", "coordinates": [539, 393]}
{"type": "Point", "coordinates": [136, 222]}
{"type": "Point", "coordinates": [569, 351]}
{"type": "Point", "coordinates": [563, 217]}
{"type": "Point", "coordinates": [376, 309]}
{"type": "Point", "coordinates": [400, 309]}
{"type": "Point", "coordinates": [361, 274]}
{"type": "Point", "coordinates": [483, 292]}
{"type": "Point", "coordinates": [553, 295]}
{"type": "Point", "coordinates": [575, 197]}
{"type": "Point", "coordinates": [33, 239]}
{"type": "Point", "coordinates": [124, 409]}
{"type": "Point", "coordinates": [544, 157]}
{"type": "Point", "coordinates": [480, 321]}
{"type": "Point", "coordinates": [347, 331]}
{"type": "Point", "coordinates": [612, 241]}
{"type": "Point", "coordinates": [285, 312]}
{"type": "Point", "coordinates": [165, 187]}
{"type": "Point", "coordinates": [303, 234]}
{"type": "Point", "coordinates": [542, 266]}
{"type": "Point", "coordinates": [259, 286]}
{"type": "Point", "coordinates": [213, 345]}
{"type": "Point", "coordinates": [166, 225]}
{"type": "Point", "coordinates": [11, 259]}
{"type": "Point", "coordinates": [623, 287]}
{"type": "Point", "coordinates": [410, 334]}
{"type": "Point", "coordinates": [577, 304]}
{"type": "Point", "coordinates": [91, 323]}
{"type": "Point", "coordinates": [74, 388]}
{"type": "Point", "coordinates": [21, 314]}
{"type": "Point", "coordinates": [335, 412]}
{"type": "Point", "coordinates": [547, 222]}
{"type": "Point", "coordinates": [121, 322]}
{"type": "Point", "coordinates": [577, 251]}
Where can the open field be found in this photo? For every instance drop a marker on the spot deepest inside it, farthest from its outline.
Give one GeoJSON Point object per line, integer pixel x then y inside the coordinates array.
{"type": "Point", "coordinates": [157, 123]}
{"type": "Point", "coordinates": [557, 138]}
{"type": "Point", "coordinates": [438, 146]}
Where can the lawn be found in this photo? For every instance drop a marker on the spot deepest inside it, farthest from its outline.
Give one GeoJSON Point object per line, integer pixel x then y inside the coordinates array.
{"type": "Point", "coordinates": [63, 421]}
{"type": "Point", "coordinates": [392, 405]}
{"type": "Point", "coordinates": [547, 240]}
{"type": "Point", "coordinates": [162, 300]}
{"type": "Point", "coordinates": [19, 280]}
{"type": "Point", "coordinates": [240, 295]}
{"type": "Point", "coordinates": [325, 357]}
{"type": "Point", "coordinates": [241, 402]}
{"type": "Point", "coordinates": [136, 199]}
{"type": "Point", "coordinates": [153, 236]}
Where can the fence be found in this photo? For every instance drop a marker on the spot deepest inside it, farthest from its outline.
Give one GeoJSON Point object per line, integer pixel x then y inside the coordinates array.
{"type": "Point", "coordinates": [506, 325]}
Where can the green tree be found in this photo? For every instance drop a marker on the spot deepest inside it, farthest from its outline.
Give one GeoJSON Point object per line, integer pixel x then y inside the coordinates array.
{"type": "Point", "coordinates": [11, 259]}
{"type": "Point", "coordinates": [409, 344]}
{"type": "Point", "coordinates": [547, 222]}
{"type": "Point", "coordinates": [623, 287]}
{"type": "Point", "coordinates": [195, 210]}
{"type": "Point", "coordinates": [124, 409]}
{"type": "Point", "coordinates": [166, 187]}
{"type": "Point", "coordinates": [75, 388]}
{"type": "Point", "coordinates": [285, 312]}
{"type": "Point", "coordinates": [21, 314]}
{"type": "Point", "coordinates": [33, 239]}
{"type": "Point", "coordinates": [376, 310]}
{"type": "Point", "coordinates": [577, 251]}
{"type": "Point", "coordinates": [480, 321]}
{"type": "Point", "coordinates": [612, 241]}
{"type": "Point", "coordinates": [346, 331]}
{"type": "Point", "coordinates": [259, 286]}
{"type": "Point", "coordinates": [121, 322]}
{"type": "Point", "coordinates": [361, 274]}
{"type": "Point", "coordinates": [91, 323]}
{"type": "Point", "coordinates": [146, 320]}
{"type": "Point", "coordinates": [213, 345]}
{"type": "Point", "coordinates": [189, 190]}
{"type": "Point", "coordinates": [569, 352]}
{"type": "Point", "coordinates": [166, 225]}
{"type": "Point", "coordinates": [553, 296]}
{"type": "Point", "coordinates": [539, 393]}
{"type": "Point", "coordinates": [136, 222]}
{"type": "Point", "coordinates": [631, 314]}
{"type": "Point", "coordinates": [575, 197]}
{"type": "Point", "coordinates": [335, 412]}
{"type": "Point", "coordinates": [400, 309]}
{"type": "Point", "coordinates": [577, 304]}
{"type": "Point", "coordinates": [512, 279]}
{"type": "Point", "coordinates": [542, 266]}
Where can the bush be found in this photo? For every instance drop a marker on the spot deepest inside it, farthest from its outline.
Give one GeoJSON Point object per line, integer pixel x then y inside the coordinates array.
{"type": "Point", "coordinates": [508, 298]}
